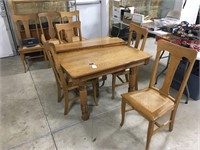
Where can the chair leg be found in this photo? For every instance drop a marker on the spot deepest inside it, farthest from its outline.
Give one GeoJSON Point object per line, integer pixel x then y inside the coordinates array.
{"type": "Point", "coordinates": [136, 83]}
{"type": "Point", "coordinates": [59, 89]}
{"type": "Point", "coordinates": [172, 118]}
{"type": "Point", "coordinates": [23, 60]}
{"type": "Point", "coordinates": [123, 108]}
{"type": "Point", "coordinates": [113, 86]}
{"type": "Point", "coordinates": [66, 101]}
{"type": "Point", "coordinates": [45, 55]}
{"type": "Point", "coordinates": [97, 89]}
{"type": "Point", "coordinates": [94, 85]}
{"type": "Point", "coordinates": [149, 134]}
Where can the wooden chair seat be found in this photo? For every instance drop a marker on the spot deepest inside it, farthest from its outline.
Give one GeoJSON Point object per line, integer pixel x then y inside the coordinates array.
{"type": "Point", "coordinates": [54, 41]}
{"type": "Point", "coordinates": [31, 49]}
{"type": "Point", "coordinates": [150, 103]}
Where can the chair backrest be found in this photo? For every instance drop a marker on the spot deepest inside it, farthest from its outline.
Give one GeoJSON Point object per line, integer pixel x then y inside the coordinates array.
{"type": "Point", "coordinates": [68, 30]}
{"type": "Point", "coordinates": [71, 16]}
{"type": "Point", "coordinates": [67, 17]}
{"type": "Point", "coordinates": [47, 20]}
{"type": "Point", "coordinates": [174, 14]}
{"type": "Point", "coordinates": [133, 28]}
{"type": "Point", "coordinates": [24, 24]}
{"type": "Point", "coordinates": [51, 59]}
{"type": "Point", "coordinates": [177, 53]}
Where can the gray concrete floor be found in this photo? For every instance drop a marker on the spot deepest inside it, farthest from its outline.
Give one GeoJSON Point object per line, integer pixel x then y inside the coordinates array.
{"type": "Point", "coordinates": [31, 118]}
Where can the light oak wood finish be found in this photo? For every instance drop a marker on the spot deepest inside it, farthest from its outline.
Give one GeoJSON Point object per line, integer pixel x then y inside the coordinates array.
{"type": "Point", "coordinates": [153, 103]}
{"type": "Point", "coordinates": [79, 65]}
{"type": "Point", "coordinates": [68, 17]}
{"type": "Point", "coordinates": [65, 32]}
{"type": "Point", "coordinates": [90, 43]}
{"type": "Point", "coordinates": [140, 32]}
{"type": "Point", "coordinates": [22, 25]}
{"type": "Point", "coordinates": [71, 16]}
{"type": "Point", "coordinates": [50, 18]}
{"type": "Point", "coordinates": [64, 83]}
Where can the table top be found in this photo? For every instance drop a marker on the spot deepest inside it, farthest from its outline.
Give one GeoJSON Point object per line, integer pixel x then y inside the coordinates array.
{"type": "Point", "coordinates": [85, 62]}
{"type": "Point", "coordinates": [89, 43]}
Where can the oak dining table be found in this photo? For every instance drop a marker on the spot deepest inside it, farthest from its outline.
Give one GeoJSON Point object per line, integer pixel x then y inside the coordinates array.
{"type": "Point", "coordinates": [83, 62]}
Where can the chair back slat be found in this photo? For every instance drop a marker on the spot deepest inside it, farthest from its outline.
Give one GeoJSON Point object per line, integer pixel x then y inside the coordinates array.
{"type": "Point", "coordinates": [69, 16]}
{"type": "Point", "coordinates": [139, 33]}
{"type": "Point", "coordinates": [68, 31]}
{"type": "Point", "coordinates": [52, 61]}
{"type": "Point", "coordinates": [50, 18]}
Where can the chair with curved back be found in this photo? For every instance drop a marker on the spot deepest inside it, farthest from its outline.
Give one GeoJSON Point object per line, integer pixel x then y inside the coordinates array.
{"type": "Point", "coordinates": [47, 24]}
{"type": "Point", "coordinates": [63, 82]}
{"type": "Point", "coordinates": [26, 28]}
{"type": "Point", "coordinates": [140, 32]}
{"type": "Point", "coordinates": [68, 17]}
{"type": "Point", "coordinates": [71, 16]}
{"type": "Point", "coordinates": [153, 103]}
{"type": "Point", "coordinates": [65, 32]}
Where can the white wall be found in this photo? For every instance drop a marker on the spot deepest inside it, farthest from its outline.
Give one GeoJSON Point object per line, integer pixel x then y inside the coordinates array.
{"type": "Point", "coordinates": [5, 45]}
{"type": "Point", "coordinates": [94, 18]}
{"type": "Point", "coordinates": [190, 11]}
{"type": "Point", "coordinates": [178, 5]}
{"type": "Point", "coordinates": [105, 17]}
{"type": "Point", "coordinates": [90, 17]}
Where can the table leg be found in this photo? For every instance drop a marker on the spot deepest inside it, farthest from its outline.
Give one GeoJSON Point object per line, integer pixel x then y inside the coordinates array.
{"type": "Point", "coordinates": [83, 101]}
{"type": "Point", "coordinates": [132, 78]}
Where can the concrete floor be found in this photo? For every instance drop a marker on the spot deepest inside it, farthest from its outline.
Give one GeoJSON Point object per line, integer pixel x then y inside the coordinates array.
{"type": "Point", "coordinates": [31, 118]}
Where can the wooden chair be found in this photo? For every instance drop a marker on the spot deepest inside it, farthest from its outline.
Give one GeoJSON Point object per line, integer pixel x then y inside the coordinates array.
{"type": "Point", "coordinates": [23, 23]}
{"type": "Point", "coordinates": [63, 82]}
{"type": "Point", "coordinates": [139, 33]}
{"type": "Point", "coordinates": [47, 22]}
{"type": "Point", "coordinates": [153, 103]}
{"type": "Point", "coordinates": [65, 32]}
{"type": "Point", "coordinates": [71, 16]}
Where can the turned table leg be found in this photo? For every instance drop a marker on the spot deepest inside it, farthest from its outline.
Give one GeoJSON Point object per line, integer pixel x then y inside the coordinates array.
{"type": "Point", "coordinates": [132, 78]}
{"type": "Point", "coordinates": [83, 101]}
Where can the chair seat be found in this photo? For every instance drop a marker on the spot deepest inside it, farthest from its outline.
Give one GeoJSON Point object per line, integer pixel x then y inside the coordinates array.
{"type": "Point", "coordinates": [150, 103]}
{"type": "Point", "coordinates": [29, 49]}
{"type": "Point", "coordinates": [54, 41]}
